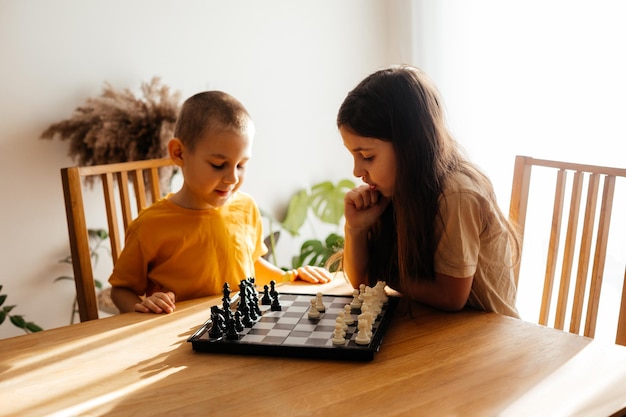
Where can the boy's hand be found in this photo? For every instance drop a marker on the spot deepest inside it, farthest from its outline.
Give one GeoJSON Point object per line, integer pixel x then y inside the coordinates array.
{"type": "Point", "coordinates": [314, 274]}
{"type": "Point", "coordinates": [159, 302]}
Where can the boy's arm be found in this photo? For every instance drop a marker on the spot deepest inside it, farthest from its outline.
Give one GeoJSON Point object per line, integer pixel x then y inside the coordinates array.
{"type": "Point", "coordinates": [126, 301]}
{"type": "Point", "coordinates": [266, 272]}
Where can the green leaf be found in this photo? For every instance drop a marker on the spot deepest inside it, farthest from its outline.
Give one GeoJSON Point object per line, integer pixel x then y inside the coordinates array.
{"type": "Point", "coordinates": [33, 327]}
{"type": "Point", "coordinates": [63, 277]}
{"type": "Point", "coordinates": [312, 252]}
{"type": "Point", "coordinates": [99, 234]}
{"type": "Point", "coordinates": [327, 200]}
{"type": "Point", "coordinates": [3, 315]}
{"type": "Point", "coordinates": [18, 321]}
{"type": "Point", "coordinates": [296, 213]}
{"type": "Point", "coordinates": [66, 260]}
{"type": "Point", "coordinates": [334, 242]}
{"type": "Point", "coordinates": [8, 309]}
{"type": "Point", "coordinates": [3, 298]}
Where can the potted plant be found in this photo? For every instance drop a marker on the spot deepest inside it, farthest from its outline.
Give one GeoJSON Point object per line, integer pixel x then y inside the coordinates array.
{"type": "Point", "coordinates": [97, 238]}
{"type": "Point", "coordinates": [324, 202]}
{"type": "Point", "coordinates": [17, 320]}
{"type": "Point", "coordinates": [118, 126]}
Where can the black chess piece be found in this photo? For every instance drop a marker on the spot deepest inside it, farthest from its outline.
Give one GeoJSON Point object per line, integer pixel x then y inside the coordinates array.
{"type": "Point", "coordinates": [226, 292]}
{"type": "Point", "coordinates": [231, 330]}
{"type": "Point", "coordinates": [275, 304]}
{"type": "Point", "coordinates": [266, 299]}
{"type": "Point", "coordinates": [238, 323]}
{"type": "Point", "coordinates": [273, 291]}
{"type": "Point", "coordinates": [217, 323]}
{"type": "Point", "coordinates": [252, 309]}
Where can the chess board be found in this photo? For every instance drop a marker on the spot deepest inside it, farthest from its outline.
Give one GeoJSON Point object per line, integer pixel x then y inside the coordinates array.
{"type": "Point", "coordinates": [290, 332]}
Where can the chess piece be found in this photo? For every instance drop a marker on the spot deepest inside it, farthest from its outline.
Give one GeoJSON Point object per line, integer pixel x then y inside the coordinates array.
{"type": "Point", "coordinates": [319, 304]}
{"type": "Point", "coordinates": [338, 335]}
{"type": "Point", "coordinates": [341, 320]}
{"type": "Point", "coordinates": [231, 330]}
{"type": "Point", "coordinates": [266, 299]}
{"type": "Point", "coordinates": [217, 323]}
{"type": "Point", "coordinates": [273, 292]}
{"type": "Point", "coordinates": [363, 337]}
{"type": "Point", "coordinates": [238, 323]}
{"type": "Point", "coordinates": [347, 317]}
{"type": "Point", "coordinates": [356, 303]}
{"type": "Point", "coordinates": [313, 313]}
{"type": "Point", "coordinates": [275, 303]}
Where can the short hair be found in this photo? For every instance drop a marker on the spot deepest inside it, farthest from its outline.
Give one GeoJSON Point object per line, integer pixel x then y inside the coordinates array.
{"type": "Point", "coordinates": [207, 111]}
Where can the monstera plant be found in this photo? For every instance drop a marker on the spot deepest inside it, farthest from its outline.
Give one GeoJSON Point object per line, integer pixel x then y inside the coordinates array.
{"type": "Point", "coordinates": [324, 202]}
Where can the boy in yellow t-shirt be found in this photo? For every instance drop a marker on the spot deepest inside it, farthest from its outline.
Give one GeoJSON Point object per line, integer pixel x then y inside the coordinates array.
{"type": "Point", "coordinates": [190, 243]}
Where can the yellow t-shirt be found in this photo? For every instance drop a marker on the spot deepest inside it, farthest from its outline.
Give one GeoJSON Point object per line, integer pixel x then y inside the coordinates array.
{"type": "Point", "coordinates": [191, 252]}
{"type": "Point", "coordinates": [474, 242]}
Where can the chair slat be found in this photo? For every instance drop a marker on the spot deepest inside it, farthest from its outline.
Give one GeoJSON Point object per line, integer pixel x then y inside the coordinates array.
{"type": "Point", "coordinates": [597, 273]}
{"type": "Point", "coordinates": [108, 187]}
{"type": "Point", "coordinates": [79, 244]}
{"type": "Point", "coordinates": [584, 253]}
{"type": "Point", "coordinates": [519, 201]}
{"type": "Point", "coordinates": [553, 248]}
{"type": "Point", "coordinates": [620, 339]}
{"type": "Point", "coordinates": [568, 255]}
{"type": "Point", "coordinates": [140, 189]}
{"type": "Point", "coordinates": [155, 187]}
{"type": "Point", "coordinates": [122, 185]}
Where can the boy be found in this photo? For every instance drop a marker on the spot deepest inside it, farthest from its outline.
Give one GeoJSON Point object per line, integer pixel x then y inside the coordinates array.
{"type": "Point", "coordinates": [190, 243]}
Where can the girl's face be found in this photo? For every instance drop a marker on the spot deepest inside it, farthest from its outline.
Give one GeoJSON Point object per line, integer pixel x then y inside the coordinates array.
{"type": "Point", "coordinates": [374, 161]}
{"type": "Point", "coordinates": [216, 168]}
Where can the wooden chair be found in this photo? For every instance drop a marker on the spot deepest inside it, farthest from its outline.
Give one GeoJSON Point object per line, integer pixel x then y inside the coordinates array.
{"type": "Point", "coordinates": [146, 188]}
{"type": "Point", "coordinates": [594, 227]}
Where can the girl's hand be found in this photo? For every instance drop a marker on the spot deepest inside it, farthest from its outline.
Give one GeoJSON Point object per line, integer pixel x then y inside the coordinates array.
{"type": "Point", "coordinates": [159, 302]}
{"type": "Point", "coordinates": [363, 206]}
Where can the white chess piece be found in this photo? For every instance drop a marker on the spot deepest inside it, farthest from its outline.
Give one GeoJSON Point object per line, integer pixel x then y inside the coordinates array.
{"type": "Point", "coordinates": [313, 312]}
{"type": "Point", "coordinates": [341, 320]}
{"type": "Point", "coordinates": [362, 337]}
{"type": "Point", "coordinates": [347, 316]}
{"type": "Point", "coordinates": [356, 303]}
{"type": "Point", "coordinates": [320, 303]}
{"type": "Point", "coordinates": [339, 336]}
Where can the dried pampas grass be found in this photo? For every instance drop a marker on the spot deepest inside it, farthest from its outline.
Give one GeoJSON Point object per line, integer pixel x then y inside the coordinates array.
{"type": "Point", "coordinates": [119, 127]}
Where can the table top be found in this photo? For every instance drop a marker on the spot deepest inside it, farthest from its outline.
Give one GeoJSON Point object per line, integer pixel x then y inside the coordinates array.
{"type": "Point", "coordinates": [431, 363]}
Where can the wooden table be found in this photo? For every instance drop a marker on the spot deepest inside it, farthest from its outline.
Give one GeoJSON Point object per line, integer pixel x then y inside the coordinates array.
{"type": "Point", "coordinates": [432, 364]}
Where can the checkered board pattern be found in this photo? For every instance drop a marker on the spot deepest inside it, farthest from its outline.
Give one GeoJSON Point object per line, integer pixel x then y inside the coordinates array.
{"type": "Point", "coordinates": [290, 332]}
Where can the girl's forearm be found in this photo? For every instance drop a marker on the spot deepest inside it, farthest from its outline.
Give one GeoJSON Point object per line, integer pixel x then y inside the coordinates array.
{"type": "Point", "coordinates": [355, 256]}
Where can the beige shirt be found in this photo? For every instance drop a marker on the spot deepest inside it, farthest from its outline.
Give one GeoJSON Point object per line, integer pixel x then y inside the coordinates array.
{"type": "Point", "coordinates": [475, 243]}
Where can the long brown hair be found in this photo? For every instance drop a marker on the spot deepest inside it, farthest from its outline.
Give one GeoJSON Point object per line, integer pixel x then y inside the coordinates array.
{"type": "Point", "coordinates": [401, 105]}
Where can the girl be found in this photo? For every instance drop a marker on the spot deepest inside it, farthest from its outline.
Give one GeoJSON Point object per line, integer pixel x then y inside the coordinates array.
{"type": "Point", "coordinates": [427, 222]}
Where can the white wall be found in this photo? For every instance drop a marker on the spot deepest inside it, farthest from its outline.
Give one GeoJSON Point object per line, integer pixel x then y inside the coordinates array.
{"type": "Point", "coordinates": [291, 63]}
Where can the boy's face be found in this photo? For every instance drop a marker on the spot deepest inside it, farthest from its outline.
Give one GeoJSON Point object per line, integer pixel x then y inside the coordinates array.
{"type": "Point", "coordinates": [216, 168]}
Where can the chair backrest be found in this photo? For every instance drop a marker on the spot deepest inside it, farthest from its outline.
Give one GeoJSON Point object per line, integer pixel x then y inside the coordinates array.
{"type": "Point", "coordinates": [588, 249]}
{"type": "Point", "coordinates": [146, 189]}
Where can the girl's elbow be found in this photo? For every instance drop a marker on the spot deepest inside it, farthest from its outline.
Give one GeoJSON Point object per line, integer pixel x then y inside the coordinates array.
{"type": "Point", "coordinates": [454, 305]}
